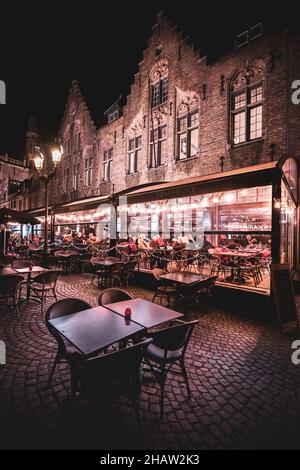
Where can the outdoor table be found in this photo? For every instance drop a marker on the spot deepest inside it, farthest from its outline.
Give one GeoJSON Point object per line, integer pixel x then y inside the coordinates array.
{"type": "Point", "coordinates": [144, 313]}
{"type": "Point", "coordinates": [29, 272]}
{"type": "Point", "coordinates": [93, 330]}
{"type": "Point", "coordinates": [108, 263]}
{"type": "Point", "coordinates": [6, 271]}
{"type": "Point", "coordinates": [184, 278]}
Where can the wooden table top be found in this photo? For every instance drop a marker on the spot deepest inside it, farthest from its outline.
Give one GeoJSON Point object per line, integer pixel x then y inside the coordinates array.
{"type": "Point", "coordinates": [185, 278]}
{"type": "Point", "coordinates": [145, 313]}
{"type": "Point", "coordinates": [95, 329]}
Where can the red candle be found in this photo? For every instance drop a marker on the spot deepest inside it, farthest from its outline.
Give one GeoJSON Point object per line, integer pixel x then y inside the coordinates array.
{"type": "Point", "coordinates": [128, 312]}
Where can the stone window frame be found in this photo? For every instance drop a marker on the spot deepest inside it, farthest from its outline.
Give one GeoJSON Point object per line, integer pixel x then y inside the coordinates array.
{"type": "Point", "coordinates": [244, 81]}
{"type": "Point", "coordinates": [157, 141]}
{"type": "Point", "coordinates": [134, 151]}
{"type": "Point", "coordinates": [107, 164]}
{"type": "Point", "coordinates": [76, 176]}
{"type": "Point", "coordinates": [188, 130]}
{"type": "Point", "coordinates": [88, 172]}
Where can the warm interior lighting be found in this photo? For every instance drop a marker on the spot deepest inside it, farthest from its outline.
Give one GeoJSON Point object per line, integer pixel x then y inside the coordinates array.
{"type": "Point", "coordinates": [277, 204]}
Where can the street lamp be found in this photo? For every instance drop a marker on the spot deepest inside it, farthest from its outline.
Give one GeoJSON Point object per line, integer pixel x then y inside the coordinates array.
{"type": "Point", "coordinates": [46, 176]}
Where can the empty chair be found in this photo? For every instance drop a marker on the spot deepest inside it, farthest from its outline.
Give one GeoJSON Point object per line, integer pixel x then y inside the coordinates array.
{"type": "Point", "coordinates": [128, 272]}
{"type": "Point", "coordinates": [111, 296]}
{"type": "Point", "coordinates": [45, 284]}
{"type": "Point", "coordinates": [61, 308]}
{"type": "Point", "coordinates": [111, 375]}
{"type": "Point", "coordinates": [163, 287]}
{"type": "Point", "coordinates": [207, 286]}
{"type": "Point", "coordinates": [9, 290]}
{"type": "Point", "coordinates": [169, 348]}
{"type": "Point", "coordinates": [20, 264]}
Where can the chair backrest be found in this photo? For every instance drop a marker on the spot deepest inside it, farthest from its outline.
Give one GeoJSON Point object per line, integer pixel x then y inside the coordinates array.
{"type": "Point", "coordinates": [9, 283]}
{"type": "Point", "coordinates": [157, 273]}
{"type": "Point", "coordinates": [121, 367]}
{"type": "Point", "coordinates": [49, 277]}
{"type": "Point", "coordinates": [112, 258]}
{"type": "Point", "coordinates": [66, 307]}
{"type": "Point", "coordinates": [60, 309]}
{"type": "Point", "coordinates": [175, 337]}
{"type": "Point", "coordinates": [210, 282]}
{"type": "Point", "coordinates": [111, 296]}
{"type": "Point", "coordinates": [19, 264]}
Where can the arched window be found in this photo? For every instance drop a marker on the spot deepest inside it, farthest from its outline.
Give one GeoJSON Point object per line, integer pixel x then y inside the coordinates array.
{"type": "Point", "coordinates": [246, 103]}
{"type": "Point", "coordinates": [159, 83]}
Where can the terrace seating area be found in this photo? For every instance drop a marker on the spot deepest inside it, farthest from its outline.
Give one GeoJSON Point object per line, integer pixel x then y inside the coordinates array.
{"type": "Point", "coordinates": [242, 387]}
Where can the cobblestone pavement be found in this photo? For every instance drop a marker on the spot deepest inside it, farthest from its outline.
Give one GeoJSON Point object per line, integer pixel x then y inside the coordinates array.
{"type": "Point", "coordinates": [245, 390]}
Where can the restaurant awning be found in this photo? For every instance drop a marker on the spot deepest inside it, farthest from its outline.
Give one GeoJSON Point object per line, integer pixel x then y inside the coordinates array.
{"type": "Point", "coordinates": [9, 215]}
{"type": "Point", "coordinates": [257, 175]}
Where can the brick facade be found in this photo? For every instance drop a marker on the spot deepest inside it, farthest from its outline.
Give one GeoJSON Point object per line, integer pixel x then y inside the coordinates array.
{"type": "Point", "coordinates": [194, 84]}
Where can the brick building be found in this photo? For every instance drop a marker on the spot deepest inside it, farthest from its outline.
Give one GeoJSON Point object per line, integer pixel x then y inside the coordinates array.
{"type": "Point", "coordinates": [185, 116]}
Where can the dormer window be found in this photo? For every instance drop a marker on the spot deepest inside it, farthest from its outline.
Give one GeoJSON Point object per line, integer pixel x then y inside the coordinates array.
{"type": "Point", "coordinates": [113, 116]}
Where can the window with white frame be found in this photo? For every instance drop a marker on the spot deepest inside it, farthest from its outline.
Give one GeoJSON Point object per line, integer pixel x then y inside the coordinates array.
{"type": "Point", "coordinates": [134, 152]}
{"type": "Point", "coordinates": [76, 176]}
{"type": "Point", "coordinates": [77, 141]}
{"type": "Point", "coordinates": [67, 147]}
{"type": "Point", "coordinates": [246, 110]}
{"type": "Point", "coordinates": [88, 172]}
{"type": "Point", "coordinates": [107, 164]}
{"type": "Point", "coordinates": [65, 181]}
{"type": "Point", "coordinates": [158, 146]}
{"type": "Point", "coordinates": [188, 135]}
{"type": "Point", "coordinates": [159, 92]}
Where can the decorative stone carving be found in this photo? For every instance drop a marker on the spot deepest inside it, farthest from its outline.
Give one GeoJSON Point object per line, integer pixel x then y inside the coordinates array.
{"type": "Point", "coordinates": [160, 115]}
{"type": "Point", "coordinates": [249, 72]}
{"type": "Point", "coordinates": [187, 101]}
{"type": "Point", "coordinates": [136, 126]}
{"type": "Point", "coordinates": [159, 70]}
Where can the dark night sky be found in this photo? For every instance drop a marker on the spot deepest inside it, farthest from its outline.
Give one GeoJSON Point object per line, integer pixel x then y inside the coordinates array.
{"type": "Point", "coordinates": [43, 49]}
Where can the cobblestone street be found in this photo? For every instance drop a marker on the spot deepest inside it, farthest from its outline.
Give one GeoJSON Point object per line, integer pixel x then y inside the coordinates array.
{"type": "Point", "coordinates": [245, 390]}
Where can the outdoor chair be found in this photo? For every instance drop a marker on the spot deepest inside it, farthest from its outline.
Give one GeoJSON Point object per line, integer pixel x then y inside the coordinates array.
{"type": "Point", "coordinates": [110, 376]}
{"type": "Point", "coordinates": [207, 286]}
{"type": "Point", "coordinates": [9, 290]}
{"type": "Point", "coordinates": [66, 350]}
{"type": "Point", "coordinates": [128, 272]}
{"type": "Point", "coordinates": [111, 296]}
{"type": "Point", "coordinates": [43, 285]}
{"type": "Point", "coordinates": [168, 351]}
{"type": "Point", "coordinates": [7, 260]}
{"type": "Point", "coordinates": [163, 288]}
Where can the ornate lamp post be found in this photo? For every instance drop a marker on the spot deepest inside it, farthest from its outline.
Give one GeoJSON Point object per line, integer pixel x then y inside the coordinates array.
{"type": "Point", "coordinates": [46, 176]}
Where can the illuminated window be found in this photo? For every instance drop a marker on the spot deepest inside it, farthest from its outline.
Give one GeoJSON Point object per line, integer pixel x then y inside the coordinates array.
{"type": "Point", "coordinates": [107, 164]}
{"type": "Point", "coordinates": [134, 153]}
{"type": "Point", "coordinates": [246, 112]}
{"type": "Point", "coordinates": [76, 176]}
{"type": "Point", "coordinates": [188, 135]}
{"type": "Point", "coordinates": [158, 146]}
{"type": "Point", "coordinates": [159, 92]}
{"type": "Point", "coordinates": [88, 172]}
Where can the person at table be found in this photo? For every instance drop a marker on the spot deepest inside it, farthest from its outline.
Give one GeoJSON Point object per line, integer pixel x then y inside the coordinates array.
{"type": "Point", "coordinates": [206, 245]}
{"type": "Point", "coordinates": [68, 238]}
{"type": "Point", "coordinates": [79, 238]}
{"type": "Point", "coordinates": [92, 239]}
{"type": "Point", "coordinates": [143, 243]}
{"type": "Point", "coordinates": [133, 245]}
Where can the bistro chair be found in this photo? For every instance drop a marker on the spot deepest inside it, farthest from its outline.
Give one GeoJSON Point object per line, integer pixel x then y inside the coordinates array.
{"type": "Point", "coordinates": [163, 288]}
{"type": "Point", "coordinates": [20, 264]}
{"type": "Point", "coordinates": [109, 376]}
{"type": "Point", "coordinates": [167, 351]}
{"type": "Point", "coordinates": [111, 296]}
{"type": "Point", "coordinates": [128, 272]}
{"type": "Point", "coordinates": [7, 260]}
{"type": "Point", "coordinates": [96, 269]}
{"type": "Point", "coordinates": [43, 285]}
{"type": "Point", "coordinates": [207, 286]}
{"type": "Point", "coordinates": [9, 290]}
{"type": "Point", "coordinates": [66, 350]}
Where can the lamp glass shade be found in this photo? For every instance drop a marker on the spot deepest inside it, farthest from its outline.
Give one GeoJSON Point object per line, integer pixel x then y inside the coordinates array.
{"type": "Point", "coordinates": [56, 154]}
{"type": "Point", "coordinates": [38, 161]}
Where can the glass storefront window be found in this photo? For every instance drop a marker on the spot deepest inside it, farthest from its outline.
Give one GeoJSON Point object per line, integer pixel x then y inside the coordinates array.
{"type": "Point", "coordinates": [287, 228]}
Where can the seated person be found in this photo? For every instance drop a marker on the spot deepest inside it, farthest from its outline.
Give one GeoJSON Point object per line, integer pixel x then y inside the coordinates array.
{"type": "Point", "coordinates": [79, 238]}
{"type": "Point", "coordinates": [91, 239]}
